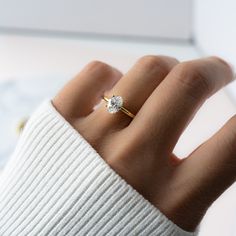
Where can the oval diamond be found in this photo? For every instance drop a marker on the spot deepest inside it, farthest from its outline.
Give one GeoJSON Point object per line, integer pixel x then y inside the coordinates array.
{"type": "Point", "coordinates": [114, 104]}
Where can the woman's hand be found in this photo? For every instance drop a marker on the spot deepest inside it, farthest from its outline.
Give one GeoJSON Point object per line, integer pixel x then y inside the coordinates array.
{"type": "Point", "coordinates": [164, 94]}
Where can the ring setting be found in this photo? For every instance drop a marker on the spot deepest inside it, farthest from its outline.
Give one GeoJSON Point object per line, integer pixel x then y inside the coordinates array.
{"type": "Point", "coordinates": [115, 104]}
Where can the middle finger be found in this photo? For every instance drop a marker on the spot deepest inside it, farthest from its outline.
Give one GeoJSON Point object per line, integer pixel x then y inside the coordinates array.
{"type": "Point", "coordinates": [174, 102]}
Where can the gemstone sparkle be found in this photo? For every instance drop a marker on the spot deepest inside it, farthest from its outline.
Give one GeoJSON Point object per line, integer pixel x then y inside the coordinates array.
{"type": "Point", "coordinates": [114, 104]}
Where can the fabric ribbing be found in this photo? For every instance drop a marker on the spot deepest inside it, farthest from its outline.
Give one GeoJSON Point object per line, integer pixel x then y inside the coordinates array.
{"type": "Point", "coordinates": [55, 183]}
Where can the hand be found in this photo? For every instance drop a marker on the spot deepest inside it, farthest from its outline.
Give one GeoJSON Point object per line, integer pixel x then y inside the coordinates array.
{"type": "Point", "coordinates": [164, 94]}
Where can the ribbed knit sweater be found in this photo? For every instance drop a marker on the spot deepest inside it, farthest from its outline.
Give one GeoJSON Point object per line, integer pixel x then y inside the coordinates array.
{"type": "Point", "coordinates": [55, 183]}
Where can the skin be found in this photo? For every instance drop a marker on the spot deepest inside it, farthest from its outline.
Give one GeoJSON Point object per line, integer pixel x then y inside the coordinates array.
{"type": "Point", "coordinates": [164, 94]}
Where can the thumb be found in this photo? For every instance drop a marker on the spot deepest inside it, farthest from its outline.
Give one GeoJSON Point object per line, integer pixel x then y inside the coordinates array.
{"type": "Point", "coordinates": [212, 166]}
{"type": "Point", "coordinates": [205, 175]}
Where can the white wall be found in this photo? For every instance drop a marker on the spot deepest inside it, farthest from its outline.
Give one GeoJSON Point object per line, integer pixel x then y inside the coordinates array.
{"type": "Point", "coordinates": [151, 18]}
{"type": "Point", "coordinates": [215, 27]}
{"type": "Point", "coordinates": [215, 30]}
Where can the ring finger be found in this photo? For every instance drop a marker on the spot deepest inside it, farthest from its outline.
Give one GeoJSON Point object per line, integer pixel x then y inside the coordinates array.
{"type": "Point", "coordinates": [134, 87]}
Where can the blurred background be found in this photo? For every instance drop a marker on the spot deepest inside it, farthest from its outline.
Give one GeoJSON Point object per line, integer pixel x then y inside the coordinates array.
{"type": "Point", "coordinates": [45, 43]}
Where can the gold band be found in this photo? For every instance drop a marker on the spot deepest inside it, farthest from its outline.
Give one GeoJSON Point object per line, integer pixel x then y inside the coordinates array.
{"type": "Point", "coordinates": [123, 109]}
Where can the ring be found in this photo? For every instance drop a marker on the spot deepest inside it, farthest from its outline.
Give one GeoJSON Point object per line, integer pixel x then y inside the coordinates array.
{"type": "Point", "coordinates": [115, 104]}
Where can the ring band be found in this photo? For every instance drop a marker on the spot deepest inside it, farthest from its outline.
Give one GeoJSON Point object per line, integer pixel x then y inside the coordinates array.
{"type": "Point", "coordinates": [115, 104]}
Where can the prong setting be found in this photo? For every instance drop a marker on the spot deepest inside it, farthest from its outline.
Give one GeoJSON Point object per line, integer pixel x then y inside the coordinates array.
{"type": "Point", "coordinates": [114, 104]}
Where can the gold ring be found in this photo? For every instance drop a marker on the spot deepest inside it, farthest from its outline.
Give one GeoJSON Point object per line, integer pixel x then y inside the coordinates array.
{"type": "Point", "coordinates": [115, 104]}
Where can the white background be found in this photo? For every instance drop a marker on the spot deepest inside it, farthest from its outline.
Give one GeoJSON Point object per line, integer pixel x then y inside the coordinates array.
{"type": "Point", "coordinates": [210, 22]}
{"type": "Point", "coordinates": [152, 18]}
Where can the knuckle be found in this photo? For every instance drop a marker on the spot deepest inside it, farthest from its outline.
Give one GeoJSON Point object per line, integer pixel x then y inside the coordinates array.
{"type": "Point", "coordinates": [100, 67]}
{"type": "Point", "coordinates": [106, 72]}
{"type": "Point", "coordinates": [195, 78]}
{"type": "Point", "coordinates": [221, 61]}
{"type": "Point", "coordinates": [154, 63]}
{"type": "Point", "coordinates": [224, 66]}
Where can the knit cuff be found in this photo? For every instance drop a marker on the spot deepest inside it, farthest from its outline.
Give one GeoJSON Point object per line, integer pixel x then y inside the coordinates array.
{"type": "Point", "coordinates": [55, 183]}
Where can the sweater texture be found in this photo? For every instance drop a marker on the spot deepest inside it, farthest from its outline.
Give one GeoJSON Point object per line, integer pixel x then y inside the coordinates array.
{"type": "Point", "coordinates": [55, 183]}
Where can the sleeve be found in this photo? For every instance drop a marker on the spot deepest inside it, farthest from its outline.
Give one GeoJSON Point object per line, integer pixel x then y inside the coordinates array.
{"type": "Point", "coordinates": [55, 183]}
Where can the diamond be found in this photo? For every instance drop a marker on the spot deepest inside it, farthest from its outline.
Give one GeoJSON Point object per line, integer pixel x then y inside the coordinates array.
{"type": "Point", "coordinates": [114, 104]}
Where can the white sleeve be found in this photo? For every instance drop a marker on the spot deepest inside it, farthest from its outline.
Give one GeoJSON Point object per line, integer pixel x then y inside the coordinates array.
{"type": "Point", "coordinates": [55, 183]}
